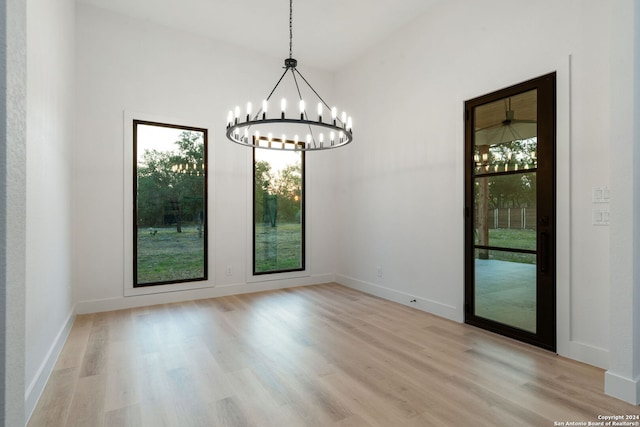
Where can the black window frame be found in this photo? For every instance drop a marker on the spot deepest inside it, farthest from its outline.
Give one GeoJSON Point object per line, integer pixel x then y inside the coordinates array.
{"type": "Point", "coordinates": [205, 220]}
{"type": "Point", "coordinates": [302, 219]}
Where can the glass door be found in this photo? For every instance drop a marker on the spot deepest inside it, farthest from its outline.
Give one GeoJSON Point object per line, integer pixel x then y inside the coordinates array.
{"type": "Point", "coordinates": [510, 212]}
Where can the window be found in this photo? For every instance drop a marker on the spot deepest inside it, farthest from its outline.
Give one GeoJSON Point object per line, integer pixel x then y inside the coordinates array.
{"type": "Point", "coordinates": [169, 204]}
{"type": "Point", "coordinates": [278, 211]}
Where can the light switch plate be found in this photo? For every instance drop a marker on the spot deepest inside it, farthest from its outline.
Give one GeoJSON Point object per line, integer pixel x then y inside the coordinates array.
{"type": "Point", "coordinates": [601, 215]}
{"type": "Point", "coordinates": [600, 194]}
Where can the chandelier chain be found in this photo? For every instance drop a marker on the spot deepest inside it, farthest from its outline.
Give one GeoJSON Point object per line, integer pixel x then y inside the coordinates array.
{"type": "Point", "coordinates": [290, 28]}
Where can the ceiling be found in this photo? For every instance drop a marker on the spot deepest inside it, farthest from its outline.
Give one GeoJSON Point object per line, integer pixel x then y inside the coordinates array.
{"type": "Point", "coordinates": [523, 105]}
{"type": "Point", "coordinates": [326, 34]}
{"type": "Point", "coordinates": [493, 124]}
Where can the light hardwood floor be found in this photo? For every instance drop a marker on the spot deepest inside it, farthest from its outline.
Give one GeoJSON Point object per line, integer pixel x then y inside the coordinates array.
{"type": "Point", "coordinates": [321, 355]}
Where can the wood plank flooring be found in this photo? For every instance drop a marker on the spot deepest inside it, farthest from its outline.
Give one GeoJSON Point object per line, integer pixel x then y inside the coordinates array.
{"type": "Point", "coordinates": [322, 355]}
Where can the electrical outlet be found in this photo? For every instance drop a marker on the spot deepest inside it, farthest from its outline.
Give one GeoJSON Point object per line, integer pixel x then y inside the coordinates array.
{"type": "Point", "coordinates": [229, 270]}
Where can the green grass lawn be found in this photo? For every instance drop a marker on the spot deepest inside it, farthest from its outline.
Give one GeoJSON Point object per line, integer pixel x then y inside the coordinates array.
{"type": "Point", "coordinates": [168, 255]}
{"type": "Point", "coordinates": [512, 238]}
{"type": "Point", "coordinates": [278, 248]}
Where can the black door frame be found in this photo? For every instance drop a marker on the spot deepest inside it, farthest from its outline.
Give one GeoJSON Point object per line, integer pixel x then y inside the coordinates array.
{"type": "Point", "coordinates": [545, 335]}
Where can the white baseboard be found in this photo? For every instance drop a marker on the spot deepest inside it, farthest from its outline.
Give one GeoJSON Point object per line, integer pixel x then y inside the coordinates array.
{"type": "Point", "coordinates": [434, 307]}
{"type": "Point", "coordinates": [37, 384]}
{"type": "Point", "coordinates": [124, 302]}
{"type": "Point", "coordinates": [622, 388]}
{"type": "Point", "coordinates": [588, 354]}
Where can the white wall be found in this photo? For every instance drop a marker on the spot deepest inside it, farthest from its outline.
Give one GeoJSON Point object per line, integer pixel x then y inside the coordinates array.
{"type": "Point", "coordinates": [13, 72]}
{"type": "Point", "coordinates": [133, 66]}
{"type": "Point", "coordinates": [401, 207]}
{"type": "Point", "coordinates": [622, 380]}
{"type": "Point", "coordinates": [50, 129]}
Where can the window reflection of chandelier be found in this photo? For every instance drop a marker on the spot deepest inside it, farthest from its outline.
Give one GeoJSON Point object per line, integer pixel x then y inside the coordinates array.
{"type": "Point", "coordinates": [189, 169]}
{"type": "Point", "coordinates": [504, 142]}
{"type": "Point", "coordinates": [496, 162]}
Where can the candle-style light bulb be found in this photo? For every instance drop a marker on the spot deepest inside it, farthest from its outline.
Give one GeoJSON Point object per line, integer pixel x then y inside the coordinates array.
{"type": "Point", "coordinates": [257, 139]}
{"type": "Point", "coordinates": [265, 107]}
{"type": "Point", "coordinates": [283, 107]}
{"type": "Point", "coordinates": [301, 109]}
{"type": "Point", "coordinates": [295, 139]}
{"type": "Point", "coordinates": [249, 108]}
{"type": "Point", "coordinates": [349, 124]}
{"type": "Point", "coordinates": [319, 111]}
{"type": "Point", "coordinates": [332, 137]}
{"type": "Point", "coordinates": [321, 139]}
{"type": "Point", "coordinates": [341, 136]}
{"type": "Point", "coordinates": [308, 140]}
{"type": "Point", "coordinates": [334, 115]}
{"type": "Point", "coordinates": [230, 118]}
{"type": "Point", "coordinates": [237, 111]}
{"type": "Point", "coordinates": [344, 118]}
{"type": "Point", "coordinates": [246, 135]}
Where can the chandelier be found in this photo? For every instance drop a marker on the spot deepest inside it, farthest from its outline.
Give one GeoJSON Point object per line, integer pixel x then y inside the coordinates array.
{"type": "Point", "coordinates": [306, 131]}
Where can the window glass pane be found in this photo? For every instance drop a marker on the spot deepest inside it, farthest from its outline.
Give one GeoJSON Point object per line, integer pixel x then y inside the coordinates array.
{"type": "Point", "coordinates": [505, 210]}
{"type": "Point", "coordinates": [505, 288]}
{"type": "Point", "coordinates": [278, 211]}
{"type": "Point", "coordinates": [505, 136]}
{"type": "Point", "coordinates": [170, 199]}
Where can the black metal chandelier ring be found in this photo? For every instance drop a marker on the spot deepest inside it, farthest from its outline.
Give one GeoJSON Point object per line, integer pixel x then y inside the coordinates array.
{"type": "Point", "coordinates": [337, 135]}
